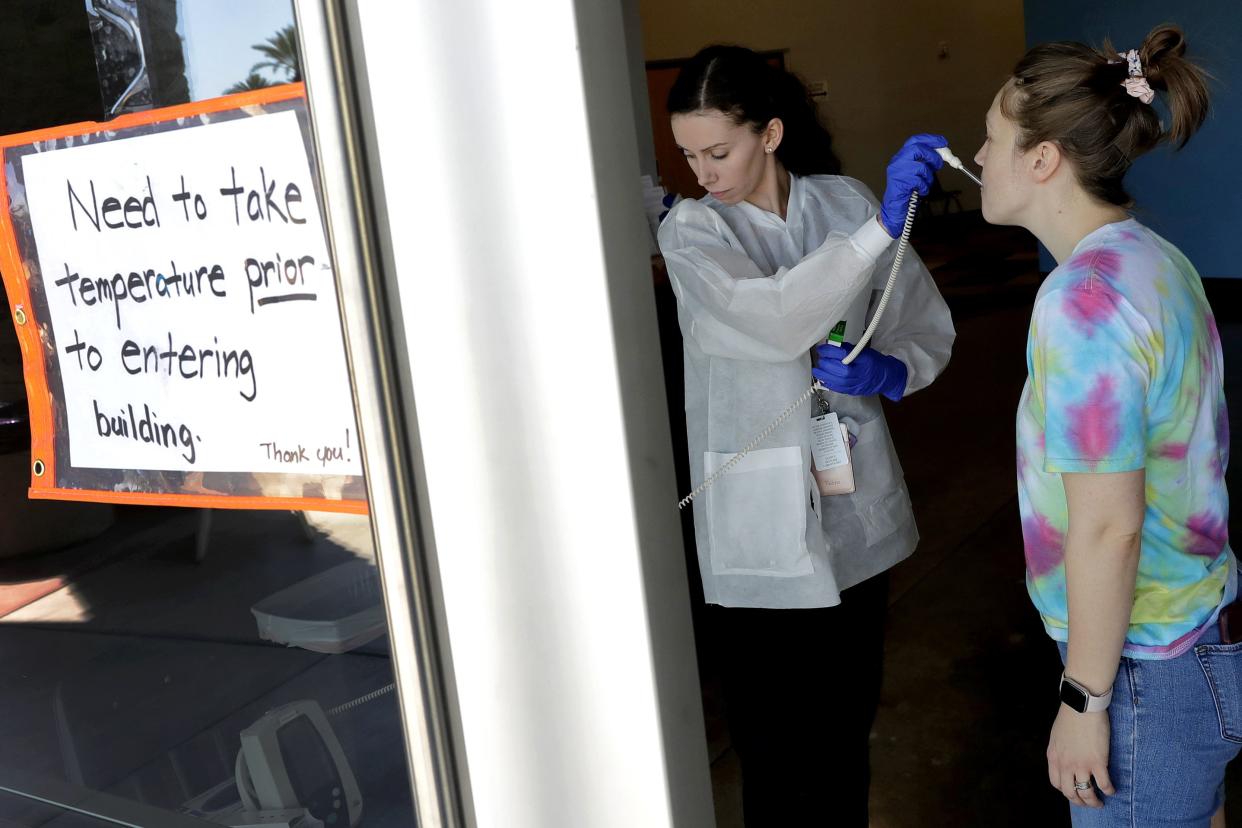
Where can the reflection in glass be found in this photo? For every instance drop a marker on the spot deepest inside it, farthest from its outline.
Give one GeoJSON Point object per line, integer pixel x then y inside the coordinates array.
{"type": "Point", "coordinates": [235, 45]}
{"type": "Point", "coordinates": [213, 689]}
{"type": "Point", "coordinates": [176, 667]}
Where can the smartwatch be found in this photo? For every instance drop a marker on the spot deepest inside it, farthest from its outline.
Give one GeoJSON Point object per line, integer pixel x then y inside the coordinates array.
{"type": "Point", "coordinates": [1079, 698]}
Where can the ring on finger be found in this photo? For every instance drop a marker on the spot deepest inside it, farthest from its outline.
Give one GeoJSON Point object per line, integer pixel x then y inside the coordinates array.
{"type": "Point", "coordinates": [1082, 786]}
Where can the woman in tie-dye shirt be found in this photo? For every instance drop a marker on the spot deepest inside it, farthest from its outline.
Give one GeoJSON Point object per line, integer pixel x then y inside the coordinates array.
{"type": "Point", "coordinates": [1126, 374]}
{"type": "Point", "coordinates": [1123, 440]}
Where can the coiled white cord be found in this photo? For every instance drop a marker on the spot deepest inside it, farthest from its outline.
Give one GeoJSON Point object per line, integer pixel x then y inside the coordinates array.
{"type": "Point", "coordinates": [361, 700]}
{"type": "Point", "coordinates": [902, 244]}
{"type": "Point", "coordinates": [737, 458]}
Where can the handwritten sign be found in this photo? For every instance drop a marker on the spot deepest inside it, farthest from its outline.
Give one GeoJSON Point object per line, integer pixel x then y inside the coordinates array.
{"type": "Point", "coordinates": [191, 301]}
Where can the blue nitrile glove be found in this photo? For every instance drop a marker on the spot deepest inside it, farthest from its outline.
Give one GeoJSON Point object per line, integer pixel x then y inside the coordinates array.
{"type": "Point", "coordinates": [912, 168]}
{"type": "Point", "coordinates": [871, 372]}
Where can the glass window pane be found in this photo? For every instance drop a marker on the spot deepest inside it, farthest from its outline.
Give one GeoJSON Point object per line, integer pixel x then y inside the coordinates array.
{"type": "Point", "coordinates": [171, 666]}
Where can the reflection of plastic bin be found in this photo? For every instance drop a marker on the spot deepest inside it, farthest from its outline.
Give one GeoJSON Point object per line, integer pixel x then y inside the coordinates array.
{"type": "Point", "coordinates": [332, 612]}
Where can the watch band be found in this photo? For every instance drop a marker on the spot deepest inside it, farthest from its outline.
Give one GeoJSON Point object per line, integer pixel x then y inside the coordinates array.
{"type": "Point", "coordinates": [1079, 698]}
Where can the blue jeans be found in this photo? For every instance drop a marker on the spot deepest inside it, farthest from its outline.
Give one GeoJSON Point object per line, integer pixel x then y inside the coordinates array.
{"type": "Point", "coordinates": [1175, 725]}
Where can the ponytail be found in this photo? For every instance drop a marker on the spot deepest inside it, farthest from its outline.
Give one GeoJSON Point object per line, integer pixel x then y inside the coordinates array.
{"type": "Point", "coordinates": [1080, 98]}
{"type": "Point", "coordinates": [1164, 55]}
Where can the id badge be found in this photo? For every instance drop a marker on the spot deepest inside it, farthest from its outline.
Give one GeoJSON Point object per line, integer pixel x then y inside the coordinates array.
{"type": "Point", "coordinates": [830, 452]}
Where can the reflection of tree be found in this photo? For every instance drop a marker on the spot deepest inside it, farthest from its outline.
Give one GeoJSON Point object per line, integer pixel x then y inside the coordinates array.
{"type": "Point", "coordinates": [281, 51]}
{"type": "Point", "coordinates": [252, 81]}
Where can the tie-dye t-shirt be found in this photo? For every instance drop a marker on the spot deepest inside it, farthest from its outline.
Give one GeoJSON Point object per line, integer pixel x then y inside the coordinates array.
{"type": "Point", "coordinates": [1124, 373]}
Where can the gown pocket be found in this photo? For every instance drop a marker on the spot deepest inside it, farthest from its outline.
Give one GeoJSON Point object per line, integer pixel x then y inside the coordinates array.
{"type": "Point", "coordinates": [883, 504]}
{"type": "Point", "coordinates": [756, 514]}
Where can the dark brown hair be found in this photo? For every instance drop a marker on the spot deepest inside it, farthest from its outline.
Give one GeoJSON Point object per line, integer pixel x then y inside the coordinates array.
{"type": "Point", "coordinates": [1074, 96]}
{"type": "Point", "coordinates": [743, 85]}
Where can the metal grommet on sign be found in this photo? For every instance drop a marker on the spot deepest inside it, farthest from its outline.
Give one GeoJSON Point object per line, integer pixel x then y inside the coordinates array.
{"type": "Point", "coordinates": [39, 468]}
{"type": "Point", "coordinates": [19, 313]}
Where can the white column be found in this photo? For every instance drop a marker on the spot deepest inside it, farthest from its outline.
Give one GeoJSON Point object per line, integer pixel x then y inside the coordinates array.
{"type": "Point", "coordinates": [506, 143]}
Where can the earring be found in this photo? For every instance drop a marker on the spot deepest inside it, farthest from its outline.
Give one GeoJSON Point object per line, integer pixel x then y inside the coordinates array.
{"type": "Point", "coordinates": [769, 150]}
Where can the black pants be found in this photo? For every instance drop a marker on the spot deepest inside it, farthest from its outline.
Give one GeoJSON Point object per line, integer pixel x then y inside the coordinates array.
{"type": "Point", "coordinates": [801, 689]}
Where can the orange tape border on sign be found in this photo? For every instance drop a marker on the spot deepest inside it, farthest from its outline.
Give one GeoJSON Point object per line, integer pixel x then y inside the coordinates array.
{"type": "Point", "coordinates": [39, 396]}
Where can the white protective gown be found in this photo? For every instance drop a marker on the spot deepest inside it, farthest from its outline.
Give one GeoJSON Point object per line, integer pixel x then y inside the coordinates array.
{"type": "Point", "coordinates": [754, 294]}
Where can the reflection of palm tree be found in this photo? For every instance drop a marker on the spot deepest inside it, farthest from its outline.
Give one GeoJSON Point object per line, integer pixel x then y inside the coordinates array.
{"type": "Point", "coordinates": [281, 51]}
{"type": "Point", "coordinates": [253, 81]}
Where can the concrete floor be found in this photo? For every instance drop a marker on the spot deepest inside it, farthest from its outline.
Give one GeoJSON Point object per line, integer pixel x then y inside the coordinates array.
{"type": "Point", "coordinates": [968, 695]}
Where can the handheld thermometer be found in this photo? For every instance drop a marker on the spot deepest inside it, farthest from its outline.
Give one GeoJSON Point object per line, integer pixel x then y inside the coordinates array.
{"type": "Point", "coordinates": [956, 163]}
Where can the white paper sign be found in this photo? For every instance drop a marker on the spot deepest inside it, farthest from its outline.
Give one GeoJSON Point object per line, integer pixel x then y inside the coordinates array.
{"type": "Point", "coordinates": [193, 303]}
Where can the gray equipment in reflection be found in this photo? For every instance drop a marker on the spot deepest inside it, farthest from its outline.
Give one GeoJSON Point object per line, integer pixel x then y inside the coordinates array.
{"type": "Point", "coordinates": [291, 759]}
{"type": "Point", "coordinates": [290, 773]}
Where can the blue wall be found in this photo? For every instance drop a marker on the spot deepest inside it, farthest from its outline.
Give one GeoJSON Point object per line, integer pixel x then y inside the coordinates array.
{"type": "Point", "coordinates": [1193, 197]}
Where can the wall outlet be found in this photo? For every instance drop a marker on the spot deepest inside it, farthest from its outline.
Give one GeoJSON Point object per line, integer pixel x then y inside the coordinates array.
{"type": "Point", "coordinates": [818, 89]}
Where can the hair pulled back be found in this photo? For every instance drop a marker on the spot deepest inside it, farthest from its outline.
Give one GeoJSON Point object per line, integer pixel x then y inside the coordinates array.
{"type": "Point", "coordinates": [743, 85]}
{"type": "Point", "coordinates": [1075, 96]}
